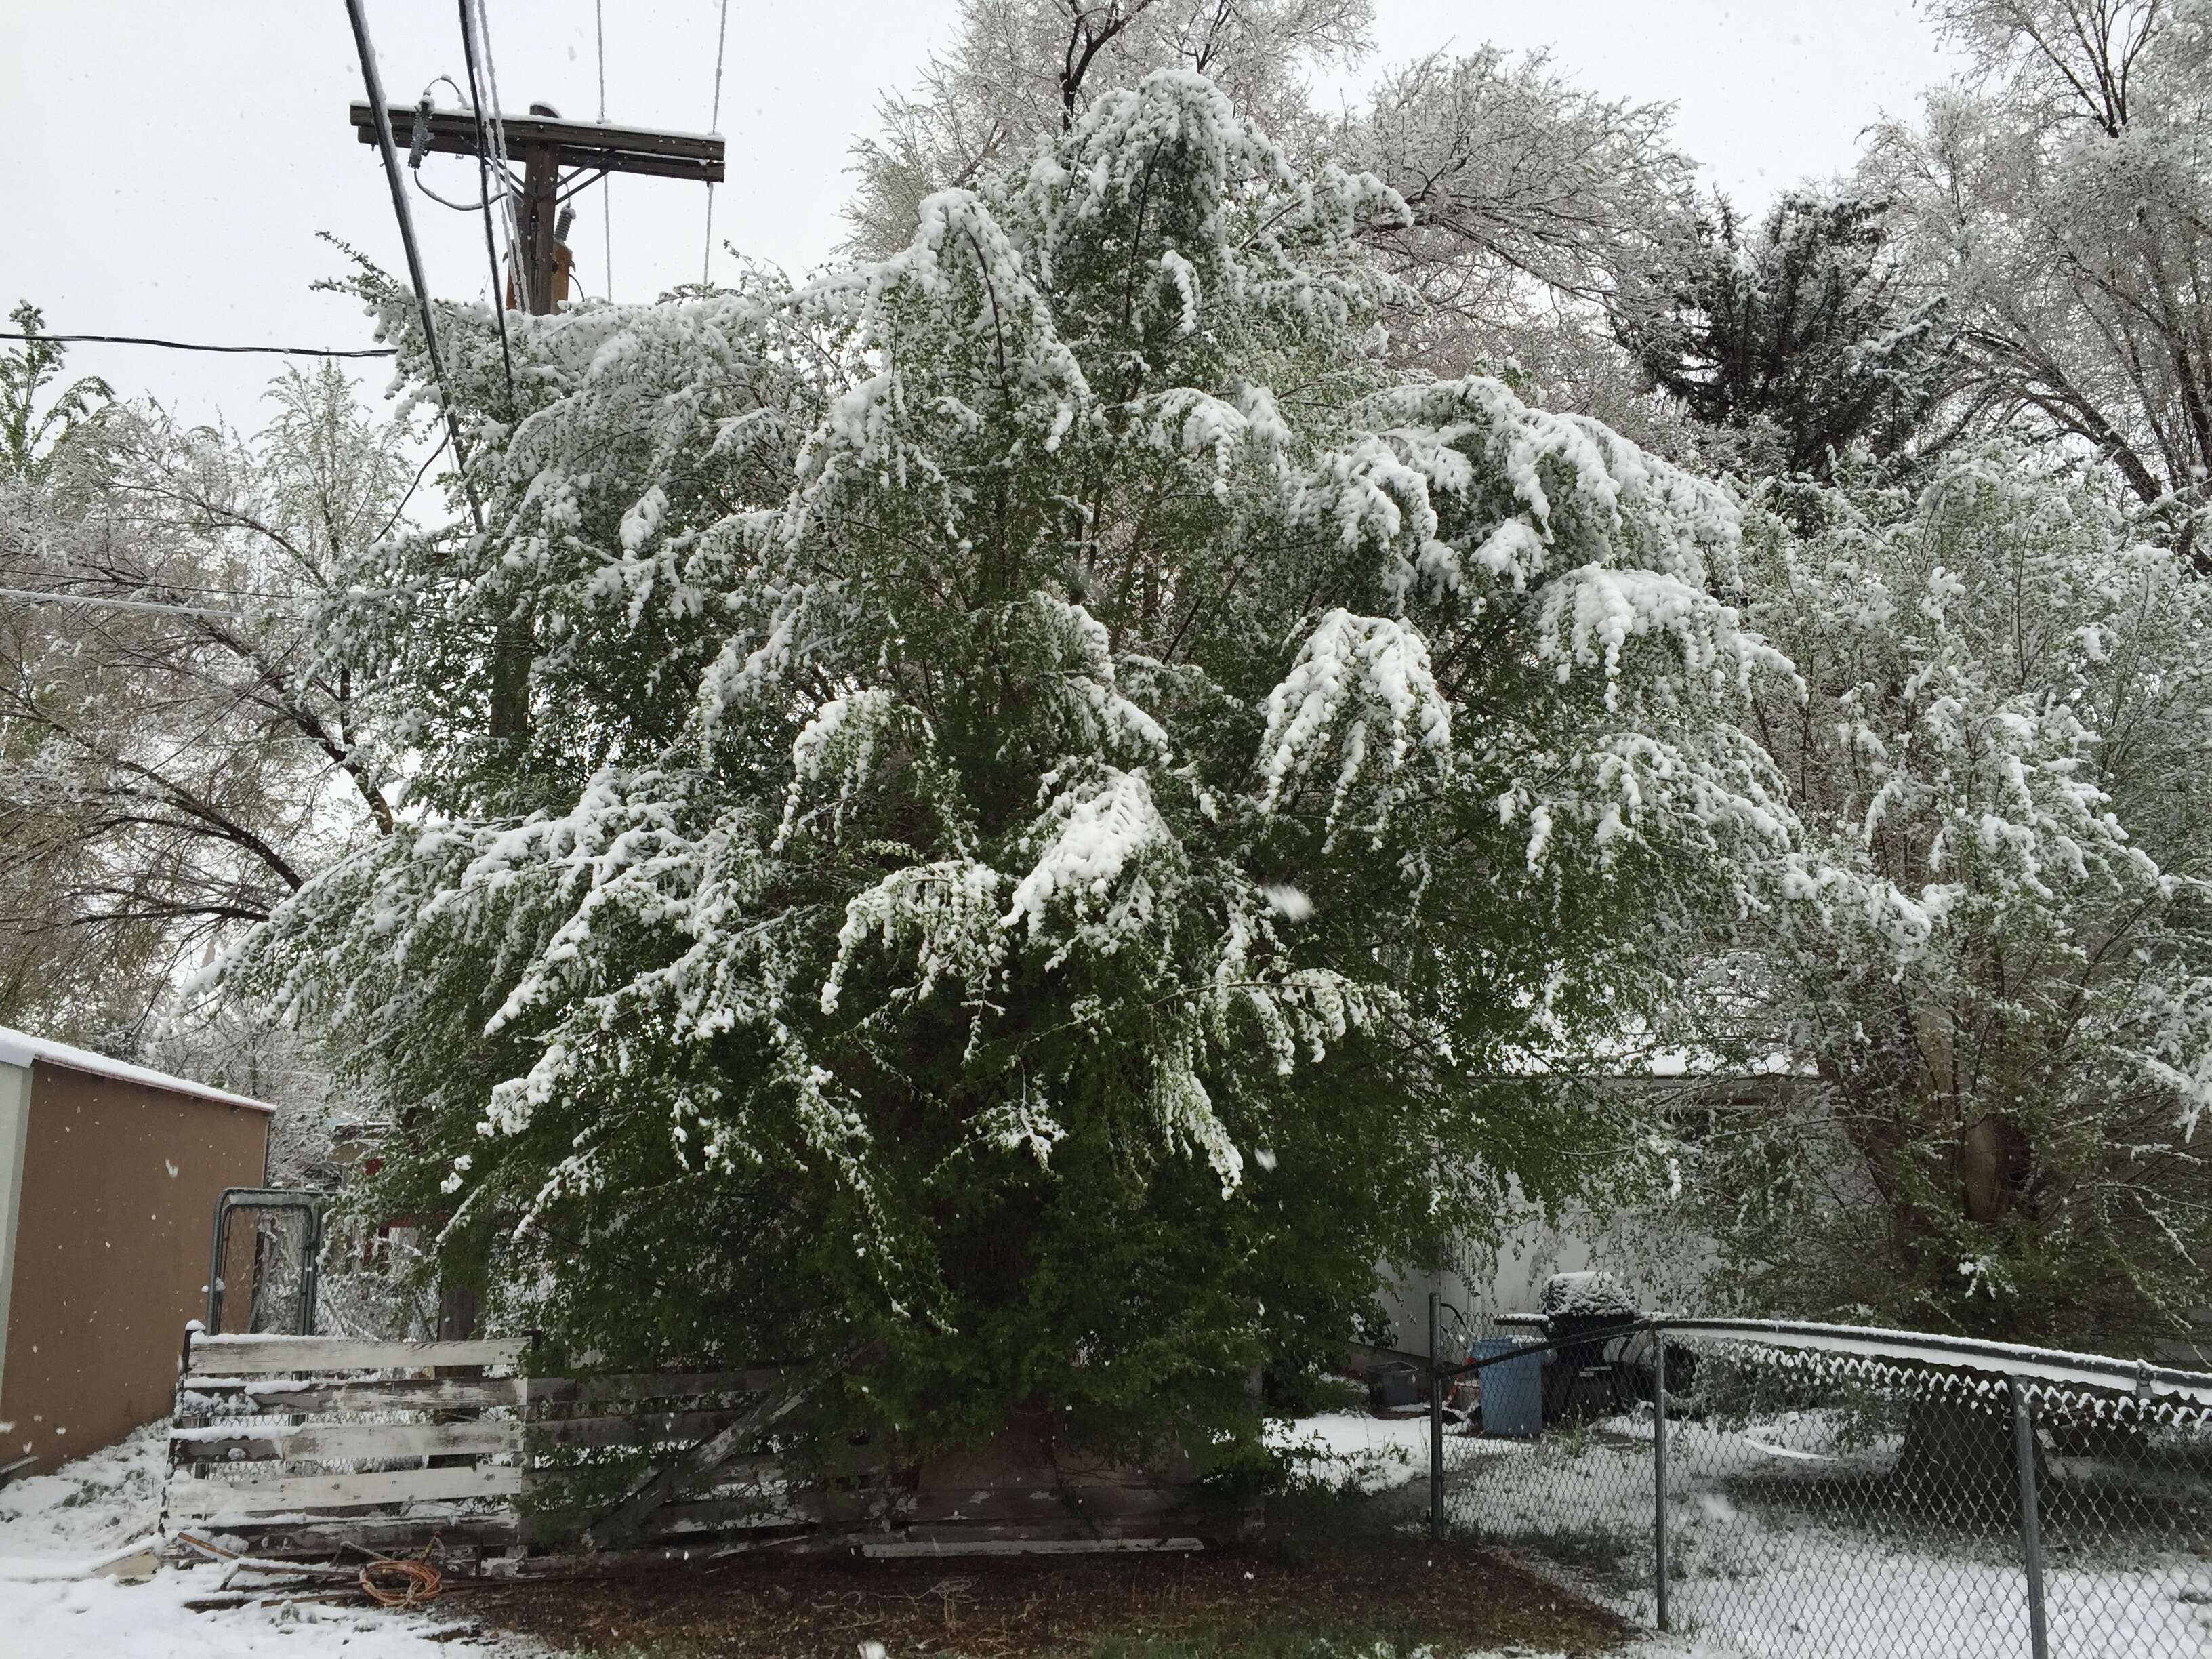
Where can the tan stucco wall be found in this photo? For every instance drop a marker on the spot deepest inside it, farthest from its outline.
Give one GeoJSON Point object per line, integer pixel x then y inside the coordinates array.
{"type": "Point", "coordinates": [120, 1181]}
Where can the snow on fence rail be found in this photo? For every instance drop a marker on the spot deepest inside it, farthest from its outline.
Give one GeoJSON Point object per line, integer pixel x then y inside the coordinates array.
{"type": "Point", "coordinates": [2044, 1366]}
{"type": "Point", "coordinates": [258, 1356]}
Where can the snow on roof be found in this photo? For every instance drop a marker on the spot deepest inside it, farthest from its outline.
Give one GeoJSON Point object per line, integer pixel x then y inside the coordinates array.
{"type": "Point", "coordinates": [21, 1049]}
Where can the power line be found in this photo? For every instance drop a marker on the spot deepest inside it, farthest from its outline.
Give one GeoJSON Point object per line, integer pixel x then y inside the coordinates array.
{"type": "Point", "coordinates": [372, 83]}
{"type": "Point", "coordinates": [498, 122]}
{"type": "Point", "coordinates": [421, 472]}
{"type": "Point", "coordinates": [713, 125]}
{"type": "Point", "coordinates": [606, 184]}
{"type": "Point", "coordinates": [419, 147]}
{"type": "Point", "coordinates": [483, 175]}
{"type": "Point", "coordinates": [9, 569]}
{"type": "Point", "coordinates": [189, 345]}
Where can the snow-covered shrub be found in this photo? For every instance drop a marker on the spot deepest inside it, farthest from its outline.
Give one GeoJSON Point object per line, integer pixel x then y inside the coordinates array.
{"type": "Point", "coordinates": [1050, 783]}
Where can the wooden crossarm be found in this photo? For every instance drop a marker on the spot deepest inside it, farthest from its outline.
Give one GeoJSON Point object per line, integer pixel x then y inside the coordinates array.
{"type": "Point", "coordinates": [698, 156]}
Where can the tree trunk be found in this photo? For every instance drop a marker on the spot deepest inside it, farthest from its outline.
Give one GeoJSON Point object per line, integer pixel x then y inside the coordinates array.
{"type": "Point", "coordinates": [1958, 1456]}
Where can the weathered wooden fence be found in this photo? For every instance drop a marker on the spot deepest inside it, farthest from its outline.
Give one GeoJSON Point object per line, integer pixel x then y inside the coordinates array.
{"type": "Point", "coordinates": [302, 1445]}
{"type": "Point", "coordinates": [299, 1446]}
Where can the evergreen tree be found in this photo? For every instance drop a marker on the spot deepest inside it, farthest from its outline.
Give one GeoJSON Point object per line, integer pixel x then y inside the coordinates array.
{"type": "Point", "coordinates": [1050, 782]}
{"type": "Point", "coordinates": [1798, 341]}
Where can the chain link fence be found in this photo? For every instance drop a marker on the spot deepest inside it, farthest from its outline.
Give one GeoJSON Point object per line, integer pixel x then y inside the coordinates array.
{"type": "Point", "coordinates": [1831, 1494]}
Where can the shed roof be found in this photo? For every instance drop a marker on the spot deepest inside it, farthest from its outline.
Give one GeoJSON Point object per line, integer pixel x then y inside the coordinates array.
{"type": "Point", "coordinates": [21, 1048]}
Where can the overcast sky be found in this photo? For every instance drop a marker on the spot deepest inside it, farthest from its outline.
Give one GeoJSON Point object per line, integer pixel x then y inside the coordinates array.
{"type": "Point", "coordinates": [169, 164]}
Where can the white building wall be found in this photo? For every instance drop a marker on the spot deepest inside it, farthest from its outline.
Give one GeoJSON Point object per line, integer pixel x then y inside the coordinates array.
{"type": "Point", "coordinates": [15, 1125]}
{"type": "Point", "coordinates": [1661, 1260]}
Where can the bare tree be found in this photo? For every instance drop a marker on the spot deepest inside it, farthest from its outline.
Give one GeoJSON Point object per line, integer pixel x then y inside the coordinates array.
{"type": "Point", "coordinates": [1516, 175]}
{"type": "Point", "coordinates": [2064, 201]}
{"type": "Point", "coordinates": [1529, 197]}
{"type": "Point", "coordinates": [179, 712]}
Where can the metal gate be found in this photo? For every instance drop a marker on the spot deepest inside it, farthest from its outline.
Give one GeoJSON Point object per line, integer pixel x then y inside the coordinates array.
{"type": "Point", "coordinates": [264, 1264]}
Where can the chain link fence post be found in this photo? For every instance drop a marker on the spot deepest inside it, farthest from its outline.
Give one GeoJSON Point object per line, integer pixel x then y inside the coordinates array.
{"type": "Point", "coordinates": [2030, 1537]}
{"type": "Point", "coordinates": [1660, 1585]}
{"type": "Point", "coordinates": [1435, 1424]}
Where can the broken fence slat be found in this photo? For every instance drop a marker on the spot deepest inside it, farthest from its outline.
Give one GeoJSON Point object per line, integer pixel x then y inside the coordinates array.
{"type": "Point", "coordinates": [319, 1538]}
{"type": "Point", "coordinates": [625, 1521]}
{"type": "Point", "coordinates": [809, 1506]}
{"type": "Point", "coordinates": [254, 1356]}
{"type": "Point", "coordinates": [1048, 1504]}
{"type": "Point", "coordinates": [202, 1500]}
{"type": "Point", "coordinates": [326, 1443]}
{"type": "Point", "coordinates": [601, 1562]}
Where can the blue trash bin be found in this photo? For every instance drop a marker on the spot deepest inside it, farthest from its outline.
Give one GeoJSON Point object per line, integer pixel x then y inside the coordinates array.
{"type": "Point", "coordinates": [1512, 1393]}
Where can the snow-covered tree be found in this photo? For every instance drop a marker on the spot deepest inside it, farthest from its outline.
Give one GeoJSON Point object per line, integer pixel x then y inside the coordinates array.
{"type": "Point", "coordinates": [1052, 782]}
{"type": "Point", "coordinates": [37, 418]}
{"type": "Point", "coordinates": [1018, 72]}
{"type": "Point", "coordinates": [1528, 193]}
{"type": "Point", "coordinates": [1798, 342]}
{"type": "Point", "coordinates": [179, 750]}
{"type": "Point", "coordinates": [1999, 972]}
{"type": "Point", "coordinates": [2063, 202]}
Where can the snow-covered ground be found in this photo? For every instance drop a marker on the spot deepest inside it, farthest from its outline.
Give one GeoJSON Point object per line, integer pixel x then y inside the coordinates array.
{"type": "Point", "coordinates": [56, 1530]}
{"type": "Point", "coordinates": [1772, 1577]}
{"type": "Point", "coordinates": [1749, 1580]}
{"type": "Point", "coordinates": [1351, 1448]}
{"type": "Point", "coordinates": [1753, 1579]}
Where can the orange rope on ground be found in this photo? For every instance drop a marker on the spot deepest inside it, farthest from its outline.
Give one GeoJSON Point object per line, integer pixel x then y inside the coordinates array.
{"type": "Point", "coordinates": [400, 1583]}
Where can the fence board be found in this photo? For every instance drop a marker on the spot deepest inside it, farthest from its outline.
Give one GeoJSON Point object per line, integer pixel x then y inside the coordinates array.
{"type": "Point", "coordinates": [645, 1429]}
{"type": "Point", "coordinates": [1049, 1503]}
{"type": "Point", "coordinates": [652, 1385]}
{"type": "Point", "coordinates": [280, 1398]}
{"type": "Point", "coordinates": [331, 1443]}
{"type": "Point", "coordinates": [966, 1541]}
{"type": "Point", "coordinates": [200, 1498]}
{"type": "Point", "coordinates": [666, 1555]}
{"type": "Point", "coordinates": [254, 1356]}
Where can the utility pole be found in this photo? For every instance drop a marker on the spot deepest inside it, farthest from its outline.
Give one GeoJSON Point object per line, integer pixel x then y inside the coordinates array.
{"type": "Point", "coordinates": [545, 144]}
{"type": "Point", "coordinates": [545, 245]}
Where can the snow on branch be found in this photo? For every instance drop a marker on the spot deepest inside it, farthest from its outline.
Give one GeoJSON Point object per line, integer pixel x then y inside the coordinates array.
{"type": "Point", "coordinates": [1100, 838]}
{"type": "Point", "coordinates": [1357, 681]}
{"type": "Point", "coordinates": [946, 912]}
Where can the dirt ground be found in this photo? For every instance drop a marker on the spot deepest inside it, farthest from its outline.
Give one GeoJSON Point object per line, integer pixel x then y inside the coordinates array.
{"type": "Point", "coordinates": [1407, 1593]}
